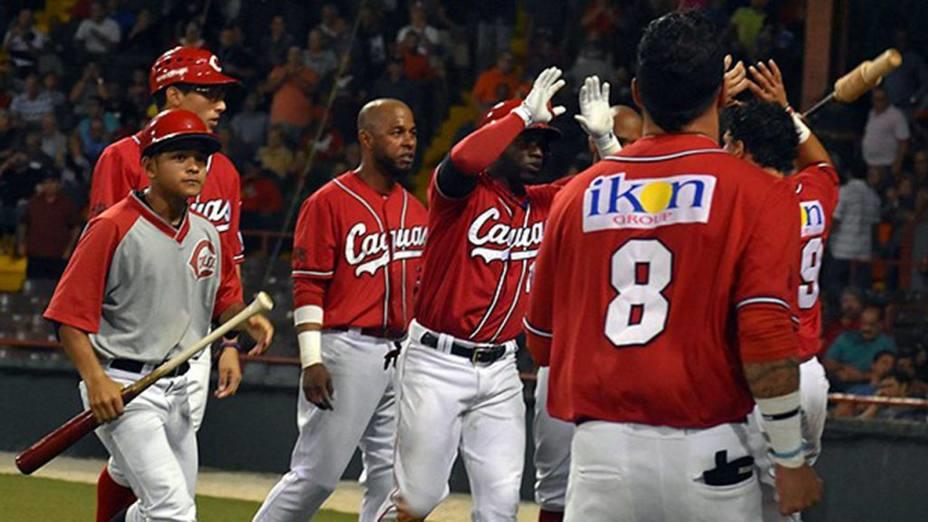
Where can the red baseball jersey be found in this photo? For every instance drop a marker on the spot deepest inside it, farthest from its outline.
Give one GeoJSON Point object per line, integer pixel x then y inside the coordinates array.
{"type": "Point", "coordinates": [646, 258]}
{"type": "Point", "coordinates": [479, 258]}
{"type": "Point", "coordinates": [816, 186]}
{"type": "Point", "coordinates": [365, 248]}
{"type": "Point", "coordinates": [119, 171]}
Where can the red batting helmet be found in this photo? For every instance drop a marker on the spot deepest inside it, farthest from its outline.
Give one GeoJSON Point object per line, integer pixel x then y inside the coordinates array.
{"type": "Point", "coordinates": [176, 129]}
{"type": "Point", "coordinates": [503, 109]}
{"type": "Point", "coordinates": [186, 65]}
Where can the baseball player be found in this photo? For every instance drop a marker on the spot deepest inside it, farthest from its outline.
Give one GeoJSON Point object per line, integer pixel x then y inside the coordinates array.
{"type": "Point", "coordinates": [457, 377]}
{"type": "Point", "coordinates": [190, 79]}
{"type": "Point", "coordinates": [661, 303]}
{"type": "Point", "coordinates": [771, 135]}
{"type": "Point", "coordinates": [553, 436]}
{"type": "Point", "coordinates": [356, 262]}
{"type": "Point", "coordinates": [146, 279]}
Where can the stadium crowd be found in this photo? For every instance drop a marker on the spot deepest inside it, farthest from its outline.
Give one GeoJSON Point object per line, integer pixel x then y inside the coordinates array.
{"type": "Point", "coordinates": [74, 78]}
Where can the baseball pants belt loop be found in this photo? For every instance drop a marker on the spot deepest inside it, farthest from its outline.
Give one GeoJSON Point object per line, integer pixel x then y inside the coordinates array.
{"type": "Point", "coordinates": [485, 354]}
{"type": "Point", "coordinates": [129, 365]}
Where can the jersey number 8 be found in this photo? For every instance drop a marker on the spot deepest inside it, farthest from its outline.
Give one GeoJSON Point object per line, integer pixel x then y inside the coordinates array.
{"type": "Point", "coordinates": [641, 269]}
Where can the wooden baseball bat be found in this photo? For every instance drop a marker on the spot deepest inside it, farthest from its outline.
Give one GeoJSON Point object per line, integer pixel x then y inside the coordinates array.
{"type": "Point", "coordinates": [51, 445]}
{"type": "Point", "coordinates": [861, 79]}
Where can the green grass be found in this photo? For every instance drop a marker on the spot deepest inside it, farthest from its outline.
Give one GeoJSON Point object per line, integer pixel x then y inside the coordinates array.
{"type": "Point", "coordinates": [40, 499]}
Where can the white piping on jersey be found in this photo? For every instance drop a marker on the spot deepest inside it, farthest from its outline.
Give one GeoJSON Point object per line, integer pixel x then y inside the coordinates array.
{"type": "Point", "coordinates": [386, 272]}
{"type": "Point", "coordinates": [148, 210]}
{"type": "Point", "coordinates": [499, 285]}
{"type": "Point", "coordinates": [642, 159]}
{"type": "Point", "coordinates": [407, 254]}
{"type": "Point", "coordinates": [505, 206]}
{"type": "Point", "coordinates": [403, 259]}
{"type": "Point", "coordinates": [136, 139]}
{"type": "Point", "coordinates": [313, 273]}
{"type": "Point", "coordinates": [518, 290]}
{"type": "Point", "coordinates": [224, 227]}
{"type": "Point", "coordinates": [535, 330]}
{"type": "Point", "coordinates": [762, 300]}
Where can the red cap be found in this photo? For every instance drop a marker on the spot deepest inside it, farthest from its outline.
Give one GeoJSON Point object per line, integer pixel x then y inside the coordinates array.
{"type": "Point", "coordinates": [174, 126]}
{"type": "Point", "coordinates": [186, 65]}
{"type": "Point", "coordinates": [503, 108]}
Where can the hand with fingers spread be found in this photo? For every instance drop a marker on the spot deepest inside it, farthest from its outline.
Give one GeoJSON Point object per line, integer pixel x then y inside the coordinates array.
{"type": "Point", "coordinates": [768, 83]}
{"type": "Point", "coordinates": [317, 386]}
{"type": "Point", "coordinates": [596, 116]}
{"type": "Point", "coordinates": [535, 107]}
{"type": "Point", "coordinates": [736, 80]}
{"type": "Point", "coordinates": [595, 112]}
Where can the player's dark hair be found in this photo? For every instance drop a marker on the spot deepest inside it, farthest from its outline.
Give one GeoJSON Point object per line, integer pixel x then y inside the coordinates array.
{"type": "Point", "coordinates": [767, 131]}
{"type": "Point", "coordinates": [161, 96]}
{"type": "Point", "coordinates": [680, 68]}
{"type": "Point", "coordinates": [882, 353]}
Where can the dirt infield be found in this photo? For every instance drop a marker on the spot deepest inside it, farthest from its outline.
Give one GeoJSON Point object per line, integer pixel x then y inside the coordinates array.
{"type": "Point", "coordinates": [253, 486]}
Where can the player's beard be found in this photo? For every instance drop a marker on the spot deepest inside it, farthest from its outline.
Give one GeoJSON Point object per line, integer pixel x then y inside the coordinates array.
{"type": "Point", "coordinates": [389, 166]}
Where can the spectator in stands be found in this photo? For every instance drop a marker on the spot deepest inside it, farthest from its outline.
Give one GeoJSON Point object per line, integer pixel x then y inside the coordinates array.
{"type": "Point", "coordinates": [54, 142]}
{"type": "Point", "coordinates": [276, 156]}
{"type": "Point", "coordinates": [89, 86]}
{"type": "Point", "coordinates": [95, 110]}
{"type": "Point", "coordinates": [34, 153]}
{"type": "Point", "coordinates": [906, 86]}
{"type": "Point", "coordinates": [262, 201]}
{"type": "Point", "coordinates": [50, 89]}
{"type": "Point", "coordinates": [334, 29]}
{"type": "Point", "coordinates": [857, 212]}
{"type": "Point", "coordinates": [372, 45]}
{"type": "Point", "coordinates": [18, 178]}
{"type": "Point", "coordinates": [137, 93]}
{"type": "Point", "coordinates": [236, 59]}
{"type": "Point", "coordinates": [394, 84]}
{"type": "Point", "coordinates": [591, 60]}
{"type": "Point", "coordinates": [914, 365]}
{"type": "Point", "coordinates": [920, 168]}
{"type": "Point", "coordinates": [275, 45]}
{"type": "Point", "coordinates": [32, 104]}
{"type": "Point", "coordinates": [600, 18]}
{"type": "Point", "coordinates": [898, 385]}
{"type": "Point", "coordinates": [92, 144]}
{"type": "Point", "coordinates": [416, 65]}
{"type": "Point", "coordinates": [9, 138]}
{"type": "Point", "coordinates": [292, 85]}
{"type": "Point", "coordinates": [886, 135]}
{"type": "Point", "coordinates": [883, 363]}
{"type": "Point", "coordinates": [495, 22]}
{"type": "Point", "coordinates": [99, 34]}
{"type": "Point", "coordinates": [122, 14]}
{"type": "Point", "coordinates": [48, 230]}
{"type": "Point", "coordinates": [851, 306]}
{"type": "Point", "coordinates": [486, 89]}
{"type": "Point", "coordinates": [747, 22]}
{"type": "Point", "coordinates": [144, 39]}
{"type": "Point", "coordinates": [191, 37]}
{"type": "Point", "coordinates": [24, 43]}
{"type": "Point", "coordinates": [317, 57]}
{"type": "Point", "coordinates": [250, 125]}
{"type": "Point", "coordinates": [850, 357]}
{"type": "Point", "coordinates": [429, 39]}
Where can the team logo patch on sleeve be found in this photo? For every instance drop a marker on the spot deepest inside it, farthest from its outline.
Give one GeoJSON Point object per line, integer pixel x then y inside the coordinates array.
{"type": "Point", "coordinates": [812, 216]}
{"type": "Point", "coordinates": [203, 259]}
{"type": "Point", "coordinates": [613, 202]}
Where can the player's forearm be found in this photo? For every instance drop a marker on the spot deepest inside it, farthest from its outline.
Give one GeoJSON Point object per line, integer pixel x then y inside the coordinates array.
{"type": "Point", "coordinates": [230, 312]}
{"type": "Point", "coordinates": [481, 148]}
{"type": "Point", "coordinates": [76, 344]}
{"type": "Point", "coordinates": [812, 151]}
{"type": "Point", "coordinates": [772, 379]}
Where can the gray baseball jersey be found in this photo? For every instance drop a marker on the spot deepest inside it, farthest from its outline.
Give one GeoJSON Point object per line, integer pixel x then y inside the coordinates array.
{"type": "Point", "coordinates": [142, 288]}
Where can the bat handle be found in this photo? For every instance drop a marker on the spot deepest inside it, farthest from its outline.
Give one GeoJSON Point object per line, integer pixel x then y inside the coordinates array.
{"type": "Point", "coordinates": [56, 442]}
{"type": "Point", "coordinates": [821, 103]}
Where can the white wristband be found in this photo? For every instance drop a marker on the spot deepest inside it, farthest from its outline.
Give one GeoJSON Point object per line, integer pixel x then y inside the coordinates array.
{"type": "Point", "coordinates": [782, 428]}
{"type": "Point", "coordinates": [801, 128]}
{"type": "Point", "coordinates": [524, 113]}
{"type": "Point", "coordinates": [607, 145]}
{"type": "Point", "coordinates": [307, 314]}
{"type": "Point", "coordinates": [310, 343]}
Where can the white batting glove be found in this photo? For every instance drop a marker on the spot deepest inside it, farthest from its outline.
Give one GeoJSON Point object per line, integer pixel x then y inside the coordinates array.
{"type": "Point", "coordinates": [596, 116]}
{"type": "Point", "coordinates": [534, 108]}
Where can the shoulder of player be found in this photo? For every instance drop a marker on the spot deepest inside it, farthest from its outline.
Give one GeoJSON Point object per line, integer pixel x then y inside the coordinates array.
{"type": "Point", "coordinates": [199, 221]}
{"type": "Point", "coordinates": [125, 148]}
{"type": "Point", "coordinates": [220, 163]}
{"type": "Point", "coordinates": [119, 217]}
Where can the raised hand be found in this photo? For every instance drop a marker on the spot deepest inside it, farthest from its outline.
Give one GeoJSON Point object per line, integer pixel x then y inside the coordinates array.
{"type": "Point", "coordinates": [595, 112]}
{"type": "Point", "coordinates": [536, 105]}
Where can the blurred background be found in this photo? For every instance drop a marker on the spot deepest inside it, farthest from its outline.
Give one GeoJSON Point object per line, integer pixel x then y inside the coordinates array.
{"type": "Point", "coordinates": [74, 78]}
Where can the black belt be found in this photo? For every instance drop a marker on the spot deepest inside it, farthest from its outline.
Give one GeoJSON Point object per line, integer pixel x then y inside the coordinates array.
{"type": "Point", "coordinates": [393, 334]}
{"type": "Point", "coordinates": [128, 365]}
{"type": "Point", "coordinates": [487, 353]}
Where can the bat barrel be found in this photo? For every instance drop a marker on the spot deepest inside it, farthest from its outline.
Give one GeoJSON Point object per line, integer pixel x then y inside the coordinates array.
{"type": "Point", "coordinates": [55, 442]}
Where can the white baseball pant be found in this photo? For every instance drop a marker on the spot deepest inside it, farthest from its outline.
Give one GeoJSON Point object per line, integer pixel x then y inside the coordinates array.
{"type": "Point", "coordinates": [813, 396]}
{"type": "Point", "coordinates": [552, 450]}
{"type": "Point", "coordinates": [154, 445]}
{"type": "Point", "coordinates": [446, 403]}
{"type": "Point", "coordinates": [363, 416]}
{"type": "Point", "coordinates": [624, 472]}
{"type": "Point", "coordinates": [197, 394]}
